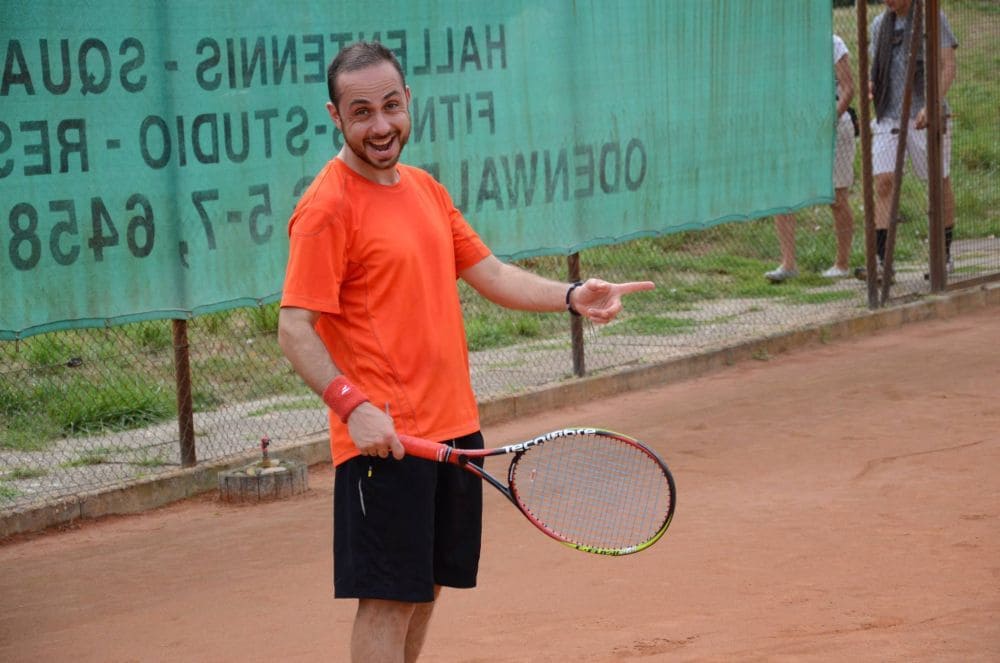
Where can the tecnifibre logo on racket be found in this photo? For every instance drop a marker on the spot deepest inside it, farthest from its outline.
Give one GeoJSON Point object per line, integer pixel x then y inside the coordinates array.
{"type": "Point", "coordinates": [548, 437]}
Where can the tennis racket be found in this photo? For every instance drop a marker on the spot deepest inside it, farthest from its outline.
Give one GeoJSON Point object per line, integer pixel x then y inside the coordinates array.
{"type": "Point", "coordinates": [591, 489]}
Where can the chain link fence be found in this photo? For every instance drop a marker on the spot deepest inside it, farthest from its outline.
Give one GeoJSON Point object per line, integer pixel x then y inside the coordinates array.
{"type": "Point", "coordinates": [87, 410]}
{"type": "Point", "coordinates": [968, 249]}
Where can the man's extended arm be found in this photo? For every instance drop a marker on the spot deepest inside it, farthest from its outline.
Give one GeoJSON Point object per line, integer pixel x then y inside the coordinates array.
{"type": "Point", "coordinates": [516, 288]}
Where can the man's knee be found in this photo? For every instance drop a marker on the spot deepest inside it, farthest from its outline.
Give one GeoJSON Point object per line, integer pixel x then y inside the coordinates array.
{"type": "Point", "coordinates": [883, 185]}
{"type": "Point", "coordinates": [378, 610]}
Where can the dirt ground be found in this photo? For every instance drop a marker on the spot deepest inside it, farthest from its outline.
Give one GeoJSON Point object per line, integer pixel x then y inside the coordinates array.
{"type": "Point", "coordinates": [836, 503]}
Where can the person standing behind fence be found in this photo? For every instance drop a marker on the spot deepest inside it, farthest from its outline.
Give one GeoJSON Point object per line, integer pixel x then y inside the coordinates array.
{"type": "Point", "coordinates": [371, 320]}
{"type": "Point", "coordinates": [843, 178]}
{"type": "Point", "coordinates": [890, 37]}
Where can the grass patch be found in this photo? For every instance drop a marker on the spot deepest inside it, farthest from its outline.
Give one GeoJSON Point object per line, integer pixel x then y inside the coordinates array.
{"type": "Point", "coordinates": [86, 460]}
{"type": "Point", "coordinates": [651, 325]}
{"type": "Point", "coordinates": [288, 406]}
{"type": "Point", "coordinates": [150, 462]}
{"type": "Point", "coordinates": [34, 414]}
{"type": "Point", "coordinates": [216, 324]}
{"type": "Point", "coordinates": [824, 297]}
{"type": "Point", "coordinates": [223, 377]}
{"type": "Point", "coordinates": [118, 403]}
{"type": "Point", "coordinates": [97, 456]}
{"type": "Point", "coordinates": [52, 350]}
{"type": "Point", "coordinates": [94, 381]}
{"type": "Point", "coordinates": [8, 492]}
{"type": "Point", "coordinates": [263, 319]}
{"type": "Point", "coordinates": [21, 473]}
{"type": "Point", "coordinates": [485, 331]}
{"type": "Point", "coordinates": [27, 433]}
{"type": "Point", "coordinates": [155, 336]}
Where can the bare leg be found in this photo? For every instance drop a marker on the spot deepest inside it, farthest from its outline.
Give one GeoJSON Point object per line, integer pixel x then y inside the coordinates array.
{"type": "Point", "coordinates": [883, 200]}
{"type": "Point", "coordinates": [843, 224]}
{"type": "Point", "coordinates": [417, 632]}
{"type": "Point", "coordinates": [948, 202]}
{"type": "Point", "coordinates": [784, 225]}
{"type": "Point", "coordinates": [380, 631]}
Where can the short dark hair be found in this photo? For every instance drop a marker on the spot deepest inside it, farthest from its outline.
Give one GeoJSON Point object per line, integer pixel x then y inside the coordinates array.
{"type": "Point", "coordinates": [356, 56]}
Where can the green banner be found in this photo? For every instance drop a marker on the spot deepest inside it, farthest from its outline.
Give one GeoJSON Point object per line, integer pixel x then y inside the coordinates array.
{"type": "Point", "coordinates": [151, 153]}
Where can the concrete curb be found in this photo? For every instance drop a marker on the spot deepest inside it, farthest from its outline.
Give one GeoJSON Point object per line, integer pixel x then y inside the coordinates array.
{"type": "Point", "coordinates": [167, 487]}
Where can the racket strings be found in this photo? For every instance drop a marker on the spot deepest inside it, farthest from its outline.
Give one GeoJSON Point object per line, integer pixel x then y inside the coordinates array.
{"type": "Point", "coordinates": [594, 490]}
{"type": "Point", "coordinates": [607, 505]}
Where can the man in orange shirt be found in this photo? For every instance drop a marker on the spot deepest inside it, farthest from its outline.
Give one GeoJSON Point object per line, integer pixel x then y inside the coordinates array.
{"type": "Point", "coordinates": [371, 320]}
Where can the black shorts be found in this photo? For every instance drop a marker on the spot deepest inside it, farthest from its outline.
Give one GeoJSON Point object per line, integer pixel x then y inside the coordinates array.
{"type": "Point", "coordinates": [400, 527]}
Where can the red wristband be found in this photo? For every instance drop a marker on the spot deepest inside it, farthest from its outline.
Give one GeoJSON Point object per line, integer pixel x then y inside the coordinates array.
{"type": "Point", "coordinates": [343, 397]}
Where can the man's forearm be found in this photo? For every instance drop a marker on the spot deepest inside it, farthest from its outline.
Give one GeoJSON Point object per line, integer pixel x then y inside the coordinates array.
{"type": "Point", "coordinates": [947, 78]}
{"type": "Point", "coordinates": [305, 350]}
{"type": "Point", "coordinates": [949, 69]}
{"type": "Point", "coordinates": [515, 288]}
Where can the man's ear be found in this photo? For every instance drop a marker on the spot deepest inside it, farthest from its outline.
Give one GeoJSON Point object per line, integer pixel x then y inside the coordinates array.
{"type": "Point", "coordinates": [334, 115]}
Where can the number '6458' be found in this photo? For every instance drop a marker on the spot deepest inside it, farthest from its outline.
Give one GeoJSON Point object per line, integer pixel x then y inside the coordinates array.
{"type": "Point", "coordinates": [64, 237]}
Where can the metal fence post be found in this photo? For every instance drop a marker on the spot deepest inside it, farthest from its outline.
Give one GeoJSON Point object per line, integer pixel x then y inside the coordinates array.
{"type": "Point", "coordinates": [935, 165]}
{"type": "Point", "coordinates": [867, 186]}
{"type": "Point", "coordinates": [185, 407]}
{"type": "Point", "coordinates": [916, 35]}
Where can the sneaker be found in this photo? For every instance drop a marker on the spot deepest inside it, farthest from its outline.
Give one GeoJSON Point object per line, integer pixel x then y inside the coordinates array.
{"type": "Point", "coordinates": [836, 273]}
{"type": "Point", "coordinates": [780, 274]}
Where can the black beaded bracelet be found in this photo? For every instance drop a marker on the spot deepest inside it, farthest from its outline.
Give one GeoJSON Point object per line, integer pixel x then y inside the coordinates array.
{"type": "Point", "coordinates": [569, 307]}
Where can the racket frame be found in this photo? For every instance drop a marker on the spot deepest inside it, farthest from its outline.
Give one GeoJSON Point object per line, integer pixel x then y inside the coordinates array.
{"type": "Point", "coordinates": [463, 458]}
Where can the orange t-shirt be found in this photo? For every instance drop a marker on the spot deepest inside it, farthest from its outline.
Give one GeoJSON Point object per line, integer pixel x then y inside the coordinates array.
{"type": "Point", "coordinates": [380, 264]}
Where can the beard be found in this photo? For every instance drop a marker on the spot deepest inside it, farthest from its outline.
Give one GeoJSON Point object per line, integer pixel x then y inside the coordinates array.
{"type": "Point", "coordinates": [367, 151]}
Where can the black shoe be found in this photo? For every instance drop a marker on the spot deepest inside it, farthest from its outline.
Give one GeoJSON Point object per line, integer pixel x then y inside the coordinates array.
{"type": "Point", "coordinates": [861, 274]}
{"type": "Point", "coordinates": [949, 267]}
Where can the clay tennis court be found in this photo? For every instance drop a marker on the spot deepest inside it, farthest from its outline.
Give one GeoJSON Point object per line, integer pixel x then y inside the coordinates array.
{"type": "Point", "coordinates": [840, 502]}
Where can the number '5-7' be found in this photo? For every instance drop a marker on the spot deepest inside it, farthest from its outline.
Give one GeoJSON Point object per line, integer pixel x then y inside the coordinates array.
{"type": "Point", "coordinates": [258, 233]}
{"type": "Point", "coordinates": [25, 247]}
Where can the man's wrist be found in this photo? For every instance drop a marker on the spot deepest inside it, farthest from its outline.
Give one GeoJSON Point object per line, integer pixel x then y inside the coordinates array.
{"type": "Point", "coordinates": [569, 298]}
{"type": "Point", "coordinates": [343, 397]}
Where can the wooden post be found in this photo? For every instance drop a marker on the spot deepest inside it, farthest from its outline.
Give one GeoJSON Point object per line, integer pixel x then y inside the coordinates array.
{"type": "Point", "coordinates": [185, 407]}
{"type": "Point", "coordinates": [867, 185]}
{"type": "Point", "coordinates": [935, 164]}
{"type": "Point", "coordinates": [916, 34]}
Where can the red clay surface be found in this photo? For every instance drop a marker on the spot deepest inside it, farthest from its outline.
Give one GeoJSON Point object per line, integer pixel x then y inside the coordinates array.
{"type": "Point", "coordinates": [837, 503]}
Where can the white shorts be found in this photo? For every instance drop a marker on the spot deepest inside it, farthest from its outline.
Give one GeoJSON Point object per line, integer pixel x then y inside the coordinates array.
{"type": "Point", "coordinates": [843, 159]}
{"type": "Point", "coordinates": [885, 142]}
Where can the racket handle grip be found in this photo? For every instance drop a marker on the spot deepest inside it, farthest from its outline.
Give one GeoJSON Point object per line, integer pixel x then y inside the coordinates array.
{"type": "Point", "coordinates": [421, 448]}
